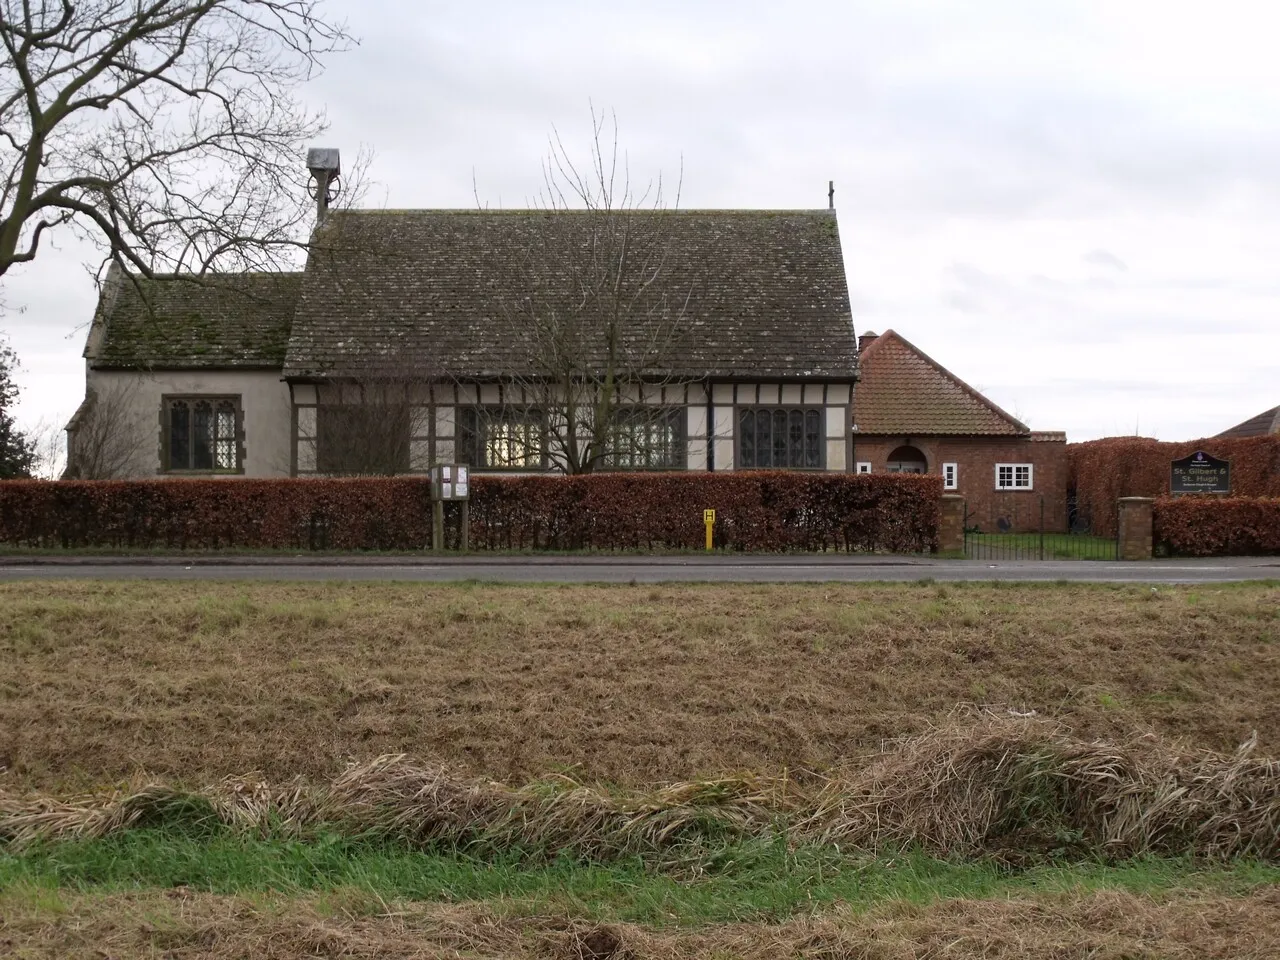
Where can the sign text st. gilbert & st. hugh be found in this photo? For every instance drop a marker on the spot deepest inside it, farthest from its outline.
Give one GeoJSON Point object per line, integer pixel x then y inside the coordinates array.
{"type": "Point", "coordinates": [1199, 473]}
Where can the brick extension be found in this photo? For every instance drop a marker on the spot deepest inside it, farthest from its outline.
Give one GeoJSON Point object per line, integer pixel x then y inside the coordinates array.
{"type": "Point", "coordinates": [975, 459]}
{"type": "Point", "coordinates": [907, 399]}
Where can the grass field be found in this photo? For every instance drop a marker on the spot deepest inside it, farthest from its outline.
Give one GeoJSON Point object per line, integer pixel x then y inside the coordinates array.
{"type": "Point", "coordinates": [185, 923]}
{"type": "Point", "coordinates": [784, 705]}
{"type": "Point", "coordinates": [627, 685]}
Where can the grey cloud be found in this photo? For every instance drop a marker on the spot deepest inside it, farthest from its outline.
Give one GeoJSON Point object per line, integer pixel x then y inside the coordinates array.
{"type": "Point", "coordinates": [926, 115]}
{"type": "Point", "coordinates": [964, 303]}
{"type": "Point", "coordinates": [740, 93]}
{"type": "Point", "coordinates": [1105, 258]}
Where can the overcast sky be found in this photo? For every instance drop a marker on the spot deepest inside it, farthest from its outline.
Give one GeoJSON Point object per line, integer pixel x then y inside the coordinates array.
{"type": "Point", "coordinates": [1071, 205]}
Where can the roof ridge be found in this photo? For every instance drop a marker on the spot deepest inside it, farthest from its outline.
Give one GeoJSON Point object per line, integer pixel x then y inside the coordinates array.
{"type": "Point", "coordinates": [990, 404]}
{"type": "Point", "coordinates": [744, 211]}
{"type": "Point", "coordinates": [217, 274]}
{"type": "Point", "coordinates": [1269, 420]}
{"type": "Point", "coordinates": [869, 378]}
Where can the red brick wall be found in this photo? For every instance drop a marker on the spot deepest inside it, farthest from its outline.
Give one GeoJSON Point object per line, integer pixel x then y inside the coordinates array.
{"type": "Point", "coordinates": [976, 459]}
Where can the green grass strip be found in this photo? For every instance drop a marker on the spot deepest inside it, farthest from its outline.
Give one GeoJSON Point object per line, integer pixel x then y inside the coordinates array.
{"type": "Point", "coordinates": [761, 881]}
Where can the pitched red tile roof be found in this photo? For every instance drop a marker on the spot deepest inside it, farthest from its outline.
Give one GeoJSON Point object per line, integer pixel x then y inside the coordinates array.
{"type": "Point", "coordinates": [1267, 422]}
{"type": "Point", "coordinates": [904, 391]}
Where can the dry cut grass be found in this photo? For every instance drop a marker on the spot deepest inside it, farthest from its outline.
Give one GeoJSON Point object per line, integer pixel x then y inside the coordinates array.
{"type": "Point", "coordinates": [1018, 789]}
{"type": "Point", "coordinates": [181, 923]}
{"type": "Point", "coordinates": [192, 682]}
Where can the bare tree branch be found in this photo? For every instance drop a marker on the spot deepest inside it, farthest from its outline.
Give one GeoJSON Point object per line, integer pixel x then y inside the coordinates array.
{"type": "Point", "coordinates": [110, 433]}
{"type": "Point", "coordinates": [168, 131]}
{"type": "Point", "coordinates": [377, 426]}
{"type": "Point", "coordinates": [593, 299]}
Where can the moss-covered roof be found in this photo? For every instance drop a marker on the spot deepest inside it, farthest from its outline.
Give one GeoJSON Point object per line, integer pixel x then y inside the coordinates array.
{"type": "Point", "coordinates": [709, 293]}
{"type": "Point", "coordinates": [222, 320]}
{"type": "Point", "coordinates": [741, 293]}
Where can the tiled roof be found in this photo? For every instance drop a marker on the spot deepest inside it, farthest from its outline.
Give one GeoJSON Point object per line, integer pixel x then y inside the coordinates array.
{"type": "Point", "coordinates": [438, 292]}
{"type": "Point", "coordinates": [220, 320]}
{"type": "Point", "coordinates": [1267, 422]}
{"type": "Point", "coordinates": [904, 391]}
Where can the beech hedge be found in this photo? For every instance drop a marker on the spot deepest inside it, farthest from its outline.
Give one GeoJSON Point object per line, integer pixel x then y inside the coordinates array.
{"type": "Point", "coordinates": [1208, 526]}
{"type": "Point", "coordinates": [1102, 471]}
{"type": "Point", "coordinates": [755, 511]}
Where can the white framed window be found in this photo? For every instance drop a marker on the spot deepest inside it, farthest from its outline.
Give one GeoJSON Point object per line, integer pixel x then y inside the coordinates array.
{"type": "Point", "coordinates": [1013, 476]}
{"type": "Point", "coordinates": [950, 476]}
{"type": "Point", "coordinates": [864, 466]}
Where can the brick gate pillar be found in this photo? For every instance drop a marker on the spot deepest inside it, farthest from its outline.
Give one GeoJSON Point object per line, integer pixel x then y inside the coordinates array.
{"type": "Point", "coordinates": [1135, 528]}
{"type": "Point", "coordinates": [951, 529]}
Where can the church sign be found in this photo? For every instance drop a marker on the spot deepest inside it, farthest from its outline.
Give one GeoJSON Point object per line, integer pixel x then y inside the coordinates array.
{"type": "Point", "coordinates": [1200, 473]}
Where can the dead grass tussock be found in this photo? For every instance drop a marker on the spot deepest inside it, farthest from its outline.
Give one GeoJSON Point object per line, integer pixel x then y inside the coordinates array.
{"type": "Point", "coordinates": [1009, 785]}
{"type": "Point", "coordinates": [393, 797]}
{"type": "Point", "coordinates": [23, 821]}
{"type": "Point", "coordinates": [1016, 788]}
{"type": "Point", "coordinates": [1107, 925]}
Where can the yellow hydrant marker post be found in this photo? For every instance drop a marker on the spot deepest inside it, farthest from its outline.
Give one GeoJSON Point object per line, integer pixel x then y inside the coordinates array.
{"type": "Point", "coordinates": [709, 518]}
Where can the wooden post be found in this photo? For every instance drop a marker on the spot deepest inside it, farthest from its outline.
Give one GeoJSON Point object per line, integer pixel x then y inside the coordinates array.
{"type": "Point", "coordinates": [437, 525]}
{"type": "Point", "coordinates": [465, 536]}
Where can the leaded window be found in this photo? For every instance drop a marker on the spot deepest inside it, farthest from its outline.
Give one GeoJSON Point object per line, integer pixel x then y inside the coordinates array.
{"type": "Point", "coordinates": [496, 439]}
{"type": "Point", "coordinates": [202, 434]}
{"type": "Point", "coordinates": [786, 437]}
{"type": "Point", "coordinates": [647, 438]}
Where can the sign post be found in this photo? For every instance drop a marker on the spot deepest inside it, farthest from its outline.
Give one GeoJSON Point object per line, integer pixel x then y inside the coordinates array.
{"type": "Point", "coordinates": [709, 518]}
{"type": "Point", "coordinates": [449, 481]}
{"type": "Point", "coordinates": [1199, 473]}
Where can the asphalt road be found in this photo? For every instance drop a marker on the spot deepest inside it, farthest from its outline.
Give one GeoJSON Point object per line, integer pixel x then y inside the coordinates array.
{"type": "Point", "coordinates": [641, 570]}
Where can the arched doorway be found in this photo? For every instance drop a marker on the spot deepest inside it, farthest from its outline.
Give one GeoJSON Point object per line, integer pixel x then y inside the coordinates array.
{"type": "Point", "coordinates": [907, 460]}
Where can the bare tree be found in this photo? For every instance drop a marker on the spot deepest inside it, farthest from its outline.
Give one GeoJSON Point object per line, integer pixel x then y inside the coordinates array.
{"type": "Point", "coordinates": [166, 130]}
{"type": "Point", "coordinates": [50, 442]}
{"type": "Point", "coordinates": [109, 433]}
{"type": "Point", "coordinates": [378, 425]}
{"type": "Point", "coordinates": [592, 297]}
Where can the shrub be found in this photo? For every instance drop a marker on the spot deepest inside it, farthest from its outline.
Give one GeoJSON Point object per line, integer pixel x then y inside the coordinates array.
{"type": "Point", "coordinates": [387, 513]}
{"type": "Point", "coordinates": [760, 511]}
{"type": "Point", "coordinates": [1207, 526]}
{"type": "Point", "coordinates": [1102, 471]}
